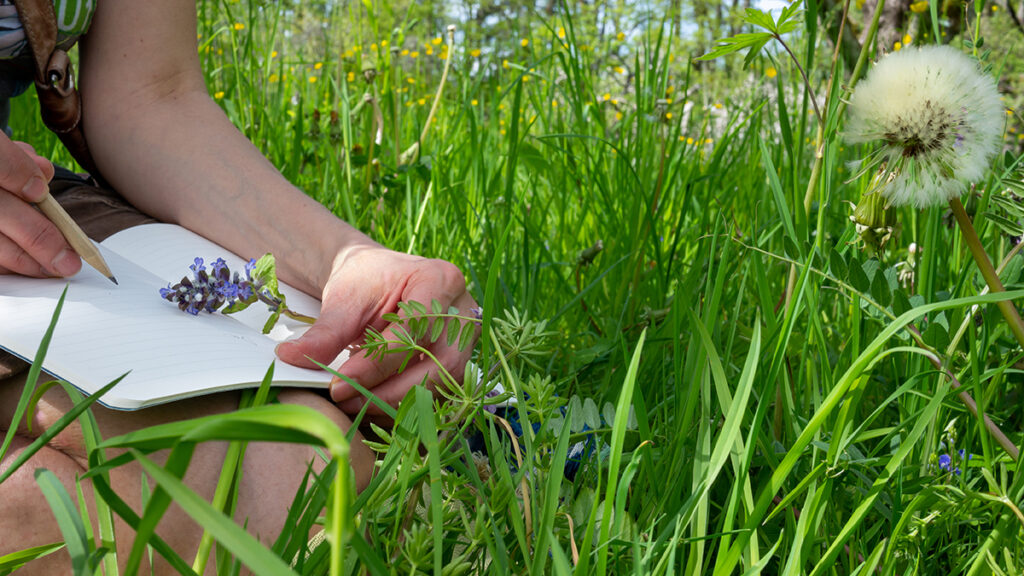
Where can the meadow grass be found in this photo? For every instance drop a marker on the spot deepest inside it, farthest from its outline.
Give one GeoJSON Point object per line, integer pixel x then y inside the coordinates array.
{"type": "Point", "coordinates": [670, 281]}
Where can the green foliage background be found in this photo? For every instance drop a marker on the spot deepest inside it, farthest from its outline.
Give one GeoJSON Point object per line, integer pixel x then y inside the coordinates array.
{"type": "Point", "coordinates": [629, 219]}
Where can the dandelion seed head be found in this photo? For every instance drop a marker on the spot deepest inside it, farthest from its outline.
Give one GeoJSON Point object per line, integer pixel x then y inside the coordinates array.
{"type": "Point", "coordinates": [938, 120]}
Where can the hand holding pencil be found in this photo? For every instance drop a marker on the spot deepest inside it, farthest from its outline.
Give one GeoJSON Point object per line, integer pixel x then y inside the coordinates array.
{"type": "Point", "coordinates": [40, 243]}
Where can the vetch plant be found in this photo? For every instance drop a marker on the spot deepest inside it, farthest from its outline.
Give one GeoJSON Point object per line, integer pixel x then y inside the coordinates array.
{"type": "Point", "coordinates": [219, 288]}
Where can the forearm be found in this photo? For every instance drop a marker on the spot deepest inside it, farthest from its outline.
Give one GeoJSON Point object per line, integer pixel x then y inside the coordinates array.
{"type": "Point", "coordinates": [182, 161]}
{"type": "Point", "coordinates": [160, 140]}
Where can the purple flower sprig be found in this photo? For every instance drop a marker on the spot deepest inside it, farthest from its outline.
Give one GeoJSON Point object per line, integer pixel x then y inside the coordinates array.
{"type": "Point", "coordinates": [220, 289]}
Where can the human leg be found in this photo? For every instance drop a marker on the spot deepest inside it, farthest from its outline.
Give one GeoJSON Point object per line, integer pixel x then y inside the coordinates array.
{"type": "Point", "coordinates": [272, 472]}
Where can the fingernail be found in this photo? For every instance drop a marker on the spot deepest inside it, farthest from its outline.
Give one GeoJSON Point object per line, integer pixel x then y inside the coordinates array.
{"type": "Point", "coordinates": [35, 190]}
{"type": "Point", "coordinates": [66, 263]}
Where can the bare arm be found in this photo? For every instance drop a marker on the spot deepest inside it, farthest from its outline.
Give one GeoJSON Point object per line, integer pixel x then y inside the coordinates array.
{"type": "Point", "coordinates": [160, 140]}
{"type": "Point", "coordinates": [164, 144]}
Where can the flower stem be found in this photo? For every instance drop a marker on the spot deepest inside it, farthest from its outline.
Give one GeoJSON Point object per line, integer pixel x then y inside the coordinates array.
{"type": "Point", "coordinates": [1009, 311]}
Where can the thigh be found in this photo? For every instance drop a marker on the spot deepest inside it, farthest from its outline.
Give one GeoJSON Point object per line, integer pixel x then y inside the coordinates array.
{"type": "Point", "coordinates": [272, 472]}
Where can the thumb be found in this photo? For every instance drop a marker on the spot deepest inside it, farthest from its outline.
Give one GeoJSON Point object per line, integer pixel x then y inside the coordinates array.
{"type": "Point", "coordinates": [333, 331]}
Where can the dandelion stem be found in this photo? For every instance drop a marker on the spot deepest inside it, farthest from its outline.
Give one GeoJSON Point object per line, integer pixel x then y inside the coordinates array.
{"type": "Point", "coordinates": [987, 271]}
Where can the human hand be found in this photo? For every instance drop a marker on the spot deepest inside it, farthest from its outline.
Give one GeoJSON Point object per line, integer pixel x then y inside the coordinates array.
{"type": "Point", "coordinates": [30, 244]}
{"type": "Point", "coordinates": [366, 283]}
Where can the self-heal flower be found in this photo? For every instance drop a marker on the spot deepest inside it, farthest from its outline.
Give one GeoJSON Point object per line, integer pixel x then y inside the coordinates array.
{"type": "Point", "coordinates": [938, 119]}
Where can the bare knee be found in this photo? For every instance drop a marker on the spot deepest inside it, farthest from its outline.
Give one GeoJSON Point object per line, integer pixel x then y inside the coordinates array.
{"type": "Point", "coordinates": [25, 516]}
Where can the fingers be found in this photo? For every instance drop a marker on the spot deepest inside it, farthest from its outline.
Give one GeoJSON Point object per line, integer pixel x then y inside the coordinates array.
{"type": "Point", "coordinates": [421, 372]}
{"type": "Point", "coordinates": [323, 341]}
{"type": "Point", "coordinates": [44, 165]}
{"type": "Point", "coordinates": [30, 244]}
{"type": "Point", "coordinates": [379, 375]}
{"type": "Point", "coordinates": [20, 174]}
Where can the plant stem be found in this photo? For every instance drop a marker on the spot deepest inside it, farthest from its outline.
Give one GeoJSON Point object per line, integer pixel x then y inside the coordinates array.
{"type": "Point", "coordinates": [1009, 311]}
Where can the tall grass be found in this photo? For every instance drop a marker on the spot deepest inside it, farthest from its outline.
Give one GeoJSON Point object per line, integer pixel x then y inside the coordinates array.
{"type": "Point", "coordinates": [630, 234]}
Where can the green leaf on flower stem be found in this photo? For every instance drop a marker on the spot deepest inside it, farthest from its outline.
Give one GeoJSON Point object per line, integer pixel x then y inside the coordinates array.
{"type": "Point", "coordinates": [857, 278]}
{"type": "Point", "coordinates": [436, 329]}
{"type": "Point", "coordinates": [900, 303]}
{"type": "Point", "coordinates": [837, 265]}
{"type": "Point", "coordinates": [937, 335]}
{"type": "Point", "coordinates": [880, 290]}
{"type": "Point", "coordinates": [755, 41]}
{"type": "Point", "coordinates": [265, 273]}
{"type": "Point", "coordinates": [466, 336]}
{"type": "Point", "coordinates": [271, 321]}
{"type": "Point", "coordinates": [453, 332]}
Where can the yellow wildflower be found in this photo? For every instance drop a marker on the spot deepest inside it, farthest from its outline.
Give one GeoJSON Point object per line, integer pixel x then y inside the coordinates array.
{"type": "Point", "coordinates": [607, 96]}
{"type": "Point", "coordinates": [318, 65]}
{"type": "Point", "coordinates": [618, 116]}
{"type": "Point", "coordinates": [273, 78]}
{"type": "Point", "coordinates": [312, 79]}
{"type": "Point", "coordinates": [414, 54]}
{"type": "Point", "coordinates": [897, 46]}
{"type": "Point", "coordinates": [384, 43]}
{"type": "Point", "coordinates": [273, 54]}
{"type": "Point", "coordinates": [620, 70]}
{"type": "Point", "coordinates": [405, 52]}
{"type": "Point", "coordinates": [524, 42]}
{"type": "Point", "coordinates": [906, 39]}
{"type": "Point", "coordinates": [475, 52]}
{"type": "Point", "coordinates": [351, 77]}
{"type": "Point", "coordinates": [919, 7]}
{"type": "Point", "coordinates": [436, 41]}
{"type": "Point", "coordinates": [218, 95]}
{"type": "Point", "coordinates": [421, 101]}
{"type": "Point", "coordinates": [410, 80]}
{"type": "Point", "coordinates": [428, 51]}
{"type": "Point", "coordinates": [239, 26]}
{"type": "Point", "coordinates": [689, 141]}
{"type": "Point", "coordinates": [561, 32]}
{"type": "Point", "coordinates": [373, 47]}
{"type": "Point", "coordinates": [554, 103]}
{"type": "Point", "coordinates": [504, 64]}
{"type": "Point", "coordinates": [620, 36]}
{"type": "Point", "coordinates": [474, 102]}
{"type": "Point", "coordinates": [771, 72]}
{"type": "Point", "coordinates": [668, 115]}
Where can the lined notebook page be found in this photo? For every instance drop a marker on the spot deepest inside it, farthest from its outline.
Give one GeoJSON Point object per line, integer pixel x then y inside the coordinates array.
{"type": "Point", "coordinates": [106, 330]}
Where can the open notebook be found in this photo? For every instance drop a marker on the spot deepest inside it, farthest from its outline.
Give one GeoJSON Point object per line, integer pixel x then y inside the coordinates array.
{"type": "Point", "coordinates": [106, 330]}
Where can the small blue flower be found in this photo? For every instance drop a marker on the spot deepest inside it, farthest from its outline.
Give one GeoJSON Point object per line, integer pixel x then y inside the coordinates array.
{"type": "Point", "coordinates": [249, 267]}
{"type": "Point", "coordinates": [197, 267]}
{"type": "Point", "coordinates": [217, 266]}
{"type": "Point", "coordinates": [944, 462]}
{"type": "Point", "coordinates": [960, 452]}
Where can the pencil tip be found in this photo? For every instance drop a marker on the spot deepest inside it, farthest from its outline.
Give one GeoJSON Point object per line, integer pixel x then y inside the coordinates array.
{"type": "Point", "coordinates": [114, 280]}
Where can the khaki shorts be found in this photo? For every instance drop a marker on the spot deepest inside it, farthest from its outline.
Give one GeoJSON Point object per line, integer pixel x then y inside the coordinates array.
{"type": "Point", "coordinates": [99, 211]}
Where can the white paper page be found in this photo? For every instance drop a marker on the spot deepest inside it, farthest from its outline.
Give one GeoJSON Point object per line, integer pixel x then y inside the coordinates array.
{"type": "Point", "coordinates": [106, 330]}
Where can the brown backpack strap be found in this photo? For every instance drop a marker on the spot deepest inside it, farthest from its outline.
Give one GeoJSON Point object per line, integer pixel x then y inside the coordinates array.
{"type": "Point", "coordinates": [59, 100]}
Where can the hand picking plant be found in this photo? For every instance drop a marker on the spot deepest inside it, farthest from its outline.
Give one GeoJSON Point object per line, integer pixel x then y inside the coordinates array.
{"type": "Point", "coordinates": [210, 291]}
{"type": "Point", "coordinates": [939, 120]}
